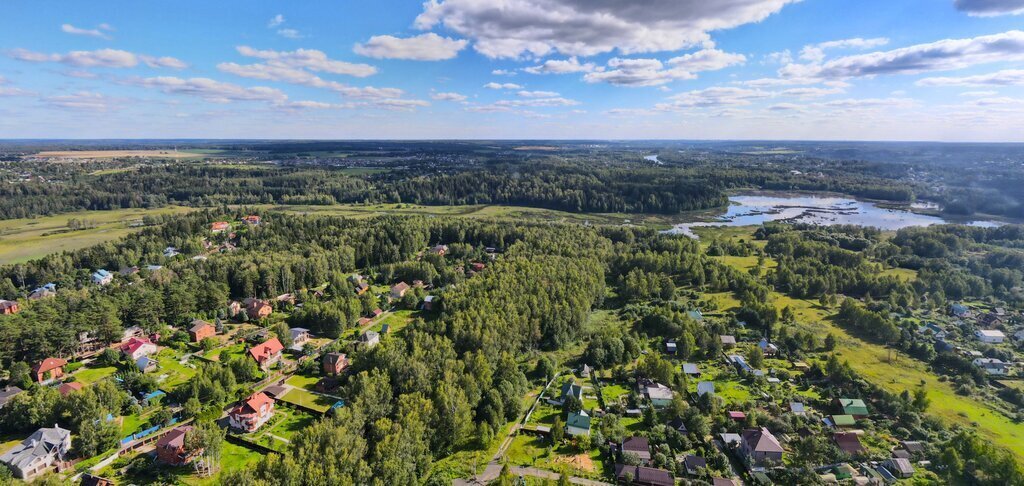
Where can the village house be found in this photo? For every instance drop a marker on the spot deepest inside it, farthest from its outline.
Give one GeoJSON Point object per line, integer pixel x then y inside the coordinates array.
{"type": "Point", "coordinates": [694, 464]}
{"type": "Point", "coordinates": [760, 448]}
{"type": "Point", "coordinates": [7, 393]}
{"type": "Point", "coordinates": [569, 389]}
{"type": "Point", "coordinates": [38, 453]}
{"type": "Point", "coordinates": [68, 388]}
{"type": "Point", "coordinates": [638, 446]}
{"type": "Point", "coordinates": [257, 309]}
{"type": "Point", "coordinates": [300, 336]}
{"type": "Point", "coordinates": [728, 341]}
{"type": "Point", "coordinates": [170, 448]}
{"type": "Point", "coordinates": [8, 307]}
{"type": "Point", "coordinates": [46, 291]}
{"type": "Point", "coordinates": [220, 226]}
{"type": "Point", "coordinates": [369, 339]}
{"type": "Point", "coordinates": [252, 220]}
{"type": "Point", "coordinates": [49, 369]}
{"type": "Point", "coordinates": [705, 387]}
{"type": "Point", "coordinates": [577, 424]}
{"type": "Point", "coordinates": [659, 395]}
{"type": "Point", "coordinates": [428, 302]}
{"type": "Point", "coordinates": [959, 310]}
{"type": "Point", "coordinates": [645, 476]}
{"type": "Point", "coordinates": [992, 366]}
{"type": "Point", "coordinates": [102, 277]}
{"type": "Point", "coordinates": [136, 348]}
{"type": "Point", "coordinates": [145, 364]}
{"type": "Point", "coordinates": [171, 252]}
{"type": "Point", "coordinates": [361, 288]}
{"type": "Point", "coordinates": [843, 421]}
{"type": "Point", "coordinates": [267, 353]}
{"type": "Point", "coordinates": [288, 298]}
{"type": "Point", "coordinates": [990, 336]}
{"type": "Point", "coordinates": [853, 406]}
{"type": "Point", "coordinates": [691, 369]}
{"type": "Point", "coordinates": [848, 442]}
{"type": "Point", "coordinates": [439, 250]}
{"type": "Point", "coordinates": [767, 348]}
{"type": "Point", "coordinates": [335, 363]}
{"type": "Point", "coordinates": [234, 308]}
{"type": "Point", "coordinates": [899, 467]}
{"type": "Point", "coordinates": [670, 347]}
{"type": "Point", "coordinates": [201, 330]}
{"type": "Point", "coordinates": [250, 414]}
{"type": "Point", "coordinates": [797, 408]}
{"type": "Point", "coordinates": [399, 289]}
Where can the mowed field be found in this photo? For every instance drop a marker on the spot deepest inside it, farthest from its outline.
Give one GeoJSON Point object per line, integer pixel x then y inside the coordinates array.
{"type": "Point", "coordinates": [22, 240]}
{"type": "Point", "coordinates": [113, 154]}
{"type": "Point", "coordinates": [873, 362]}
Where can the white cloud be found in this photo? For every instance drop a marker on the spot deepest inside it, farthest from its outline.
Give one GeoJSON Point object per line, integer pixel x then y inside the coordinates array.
{"type": "Point", "coordinates": [652, 72]}
{"type": "Point", "coordinates": [105, 58]}
{"type": "Point", "coordinates": [290, 33]}
{"type": "Point", "coordinates": [869, 102]}
{"type": "Point", "coordinates": [310, 59]}
{"type": "Point", "coordinates": [211, 90]}
{"type": "Point", "coordinates": [785, 107]}
{"type": "Point", "coordinates": [990, 8]}
{"type": "Point", "coordinates": [1007, 77]}
{"type": "Point", "coordinates": [82, 100]}
{"type": "Point", "coordinates": [100, 32]}
{"type": "Point", "coordinates": [448, 97]}
{"type": "Point", "coordinates": [816, 52]}
{"type": "Point", "coordinates": [780, 57]}
{"type": "Point", "coordinates": [538, 94]}
{"type": "Point", "coordinates": [503, 72]}
{"type": "Point", "coordinates": [558, 66]}
{"type": "Point", "coordinates": [979, 94]}
{"type": "Point", "coordinates": [317, 105]}
{"type": "Point", "coordinates": [272, 71]}
{"type": "Point", "coordinates": [399, 104]}
{"type": "Point", "coordinates": [7, 90]}
{"type": "Point", "coordinates": [942, 55]}
{"type": "Point", "coordinates": [805, 93]}
{"type": "Point", "coordinates": [713, 97]}
{"type": "Point", "coordinates": [514, 28]}
{"type": "Point", "coordinates": [424, 47]}
{"type": "Point", "coordinates": [538, 102]}
{"type": "Point", "coordinates": [493, 85]}
{"type": "Point", "coordinates": [275, 21]}
{"type": "Point", "coordinates": [1001, 101]}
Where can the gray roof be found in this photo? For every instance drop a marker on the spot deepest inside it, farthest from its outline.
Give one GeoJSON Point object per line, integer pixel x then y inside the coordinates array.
{"type": "Point", "coordinates": [705, 387]}
{"type": "Point", "coordinates": [691, 369]}
{"type": "Point", "coordinates": [8, 393]}
{"type": "Point", "coordinates": [40, 444]}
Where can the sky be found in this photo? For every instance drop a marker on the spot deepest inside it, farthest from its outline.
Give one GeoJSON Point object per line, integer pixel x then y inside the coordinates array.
{"type": "Point", "coordinates": [943, 70]}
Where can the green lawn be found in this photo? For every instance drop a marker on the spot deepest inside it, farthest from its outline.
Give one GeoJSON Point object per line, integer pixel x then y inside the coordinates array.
{"type": "Point", "coordinates": [527, 450]}
{"type": "Point", "coordinates": [302, 381]}
{"type": "Point", "coordinates": [225, 353]}
{"type": "Point", "coordinates": [89, 375]}
{"type": "Point", "coordinates": [175, 372]}
{"type": "Point", "coordinates": [307, 399]}
{"type": "Point", "coordinates": [233, 458]}
{"type": "Point", "coordinates": [294, 421]}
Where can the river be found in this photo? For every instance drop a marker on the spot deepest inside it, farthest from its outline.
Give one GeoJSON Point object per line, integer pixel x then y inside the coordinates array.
{"type": "Point", "coordinates": [748, 210]}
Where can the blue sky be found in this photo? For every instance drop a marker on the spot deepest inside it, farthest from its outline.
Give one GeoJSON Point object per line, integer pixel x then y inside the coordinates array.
{"type": "Point", "coordinates": [948, 70]}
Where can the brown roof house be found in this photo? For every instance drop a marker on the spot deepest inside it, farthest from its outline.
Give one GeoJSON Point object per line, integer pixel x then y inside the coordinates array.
{"type": "Point", "coordinates": [201, 330]}
{"type": "Point", "coordinates": [334, 363]}
{"type": "Point", "coordinates": [8, 307]}
{"type": "Point", "coordinates": [257, 308]}
{"type": "Point", "coordinates": [646, 476]}
{"type": "Point", "coordinates": [848, 442]}
{"type": "Point", "coordinates": [399, 289]}
{"type": "Point", "coordinates": [170, 449]}
{"type": "Point", "coordinates": [639, 446]}
{"type": "Point", "coordinates": [268, 353]}
{"type": "Point", "coordinates": [760, 448]}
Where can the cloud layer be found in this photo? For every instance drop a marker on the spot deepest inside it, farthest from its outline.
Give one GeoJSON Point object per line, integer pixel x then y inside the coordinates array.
{"type": "Point", "coordinates": [514, 28]}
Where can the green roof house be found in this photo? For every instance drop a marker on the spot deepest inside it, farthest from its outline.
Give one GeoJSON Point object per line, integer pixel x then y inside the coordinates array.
{"type": "Point", "coordinates": [843, 420]}
{"type": "Point", "coordinates": [577, 424]}
{"type": "Point", "coordinates": [853, 406]}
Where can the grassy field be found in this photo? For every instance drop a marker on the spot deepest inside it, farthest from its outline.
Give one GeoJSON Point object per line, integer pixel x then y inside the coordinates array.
{"type": "Point", "coordinates": [904, 373]}
{"type": "Point", "coordinates": [171, 373]}
{"type": "Point", "coordinates": [22, 240]}
{"type": "Point", "coordinates": [305, 382]}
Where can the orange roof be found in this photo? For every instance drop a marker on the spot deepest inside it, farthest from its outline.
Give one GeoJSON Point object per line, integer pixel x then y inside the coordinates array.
{"type": "Point", "coordinates": [253, 403]}
{"type": "Point", "coordinates": [220, 225]}
{"type": "Point", "coordinates": [50, 364]}
{"type": "Point", "coordinates": [261, 352]}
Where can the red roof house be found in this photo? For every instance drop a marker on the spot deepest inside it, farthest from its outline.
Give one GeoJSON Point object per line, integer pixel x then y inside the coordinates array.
{"type": "Point", "coordinates": [49, 369]}
{"type": "Point", "coordinates": [267, 353]}
{"type": "Point", "coordinates": [335, 363]}
{"type": "Point", "coordinates": [252, 412]}
{"type": "Point", "coordinates": [136, 348]}
{"type": "Point", "coordinates": [201, 330]}
{"type": "Point", "coordinates": [257, 308]}
{"type": "Point", "coordinates": [69, 388]}
{"type": "Point", "coordinates": [220, 226]}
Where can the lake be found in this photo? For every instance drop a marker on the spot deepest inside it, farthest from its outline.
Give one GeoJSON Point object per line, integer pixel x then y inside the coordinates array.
{"type": "Point", "coordinates": [750, 210]}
